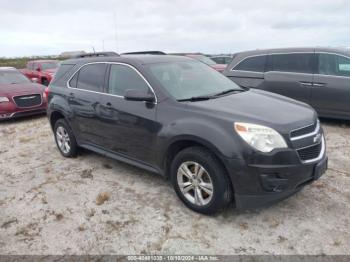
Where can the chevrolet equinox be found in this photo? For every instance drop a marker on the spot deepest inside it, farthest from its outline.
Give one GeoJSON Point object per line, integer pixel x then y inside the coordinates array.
{"type": "Point", "coordinates": [172, 115]}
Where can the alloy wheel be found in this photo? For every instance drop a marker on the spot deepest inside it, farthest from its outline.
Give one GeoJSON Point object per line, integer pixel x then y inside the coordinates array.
{"type": "Point", "coordinates": [63, 140]}
{"type": "Point", "coordinates": [195, 183]}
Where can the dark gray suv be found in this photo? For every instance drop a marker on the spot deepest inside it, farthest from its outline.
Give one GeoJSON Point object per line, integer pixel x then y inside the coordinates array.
{"type": "Point", "coordinates": [317, 76]}
{"type": "Point", "coordinates": [178, 117]}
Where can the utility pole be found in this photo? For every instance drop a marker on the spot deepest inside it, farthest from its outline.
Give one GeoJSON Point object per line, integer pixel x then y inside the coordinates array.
{"type": "Point", "coordinates": [115, 31]}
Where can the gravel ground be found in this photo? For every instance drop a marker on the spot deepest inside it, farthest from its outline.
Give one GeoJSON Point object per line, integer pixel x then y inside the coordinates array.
{"type": "Point", "coordinates": [95, 205]}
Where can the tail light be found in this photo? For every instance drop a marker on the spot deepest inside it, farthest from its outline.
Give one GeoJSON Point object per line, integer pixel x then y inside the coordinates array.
{"type": "Point", "coordinates": [46, 94]}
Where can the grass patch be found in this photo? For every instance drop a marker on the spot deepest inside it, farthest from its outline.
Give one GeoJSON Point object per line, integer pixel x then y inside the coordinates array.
{"type": "Point", "coordinates": [102, 197]}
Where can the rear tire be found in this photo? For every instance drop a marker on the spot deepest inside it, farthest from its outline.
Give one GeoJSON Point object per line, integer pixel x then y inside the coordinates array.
{"type": "Point", "coordinates": [65, 139]}
{"type": "Point", "coordinates": [200, 180]}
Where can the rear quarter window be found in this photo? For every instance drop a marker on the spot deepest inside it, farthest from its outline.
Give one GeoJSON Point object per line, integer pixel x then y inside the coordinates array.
{"type": "Point", "coordinates": [252, 64]}
{"type": "Point", "coordinates": [92, 77]}
{"type": "Point", "coordinates": [62, 71]}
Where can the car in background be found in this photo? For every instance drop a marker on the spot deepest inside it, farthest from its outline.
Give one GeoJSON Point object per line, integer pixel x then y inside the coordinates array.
{"type": "Point", "coordinates": [19, 96]}
{"type": "Point", "coordinates": [145, 53]}
{"type": "Point", "coordinates": [222, 59]}
{"type": "Point", "coordinates": [206, 60]}
{"type": "Point", "coordinates": [41, 71]}
{"type": "Point", "coordinates": [319, 76]}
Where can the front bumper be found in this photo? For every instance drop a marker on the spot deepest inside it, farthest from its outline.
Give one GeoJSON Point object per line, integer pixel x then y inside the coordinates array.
{"type": "Point", "coordinates": [10, 110]}
{"type": "Point", "coordinates": [263, 185]}
{"type": "Point", "coordinates": [22, 113]}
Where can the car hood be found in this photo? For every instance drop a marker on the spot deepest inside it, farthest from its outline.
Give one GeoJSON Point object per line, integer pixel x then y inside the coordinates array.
{"type": "Point", "coordinates": [259, 107]}
{"type": "Point", "coordinates": [17, 89]}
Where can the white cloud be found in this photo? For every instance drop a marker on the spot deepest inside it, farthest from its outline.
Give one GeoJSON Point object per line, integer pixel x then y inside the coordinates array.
{"type": "Point", "coordinates": [51, 27]}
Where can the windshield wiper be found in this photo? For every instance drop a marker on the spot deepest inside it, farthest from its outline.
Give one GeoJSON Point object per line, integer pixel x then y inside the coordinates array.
{"type": "Point", "coordinates": [195, 98]}
{"type": "Point", "coordinates": [207, 97]}
{"type": "Point", "coordinates": [228, 91]}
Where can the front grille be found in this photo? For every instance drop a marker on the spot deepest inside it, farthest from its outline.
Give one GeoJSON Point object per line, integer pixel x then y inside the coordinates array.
{"type": "Point", "coordinates": [304, 130]}
{"type": "Point", "coordinates": [311, 152]}
{"type": "Point", "coordinates": [28, 100]}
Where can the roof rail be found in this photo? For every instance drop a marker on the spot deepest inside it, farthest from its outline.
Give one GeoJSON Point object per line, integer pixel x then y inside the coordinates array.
{"type": "Point", "coordinates": [97, 54]}
{"type": "Point", "coordinates": [145, 53]}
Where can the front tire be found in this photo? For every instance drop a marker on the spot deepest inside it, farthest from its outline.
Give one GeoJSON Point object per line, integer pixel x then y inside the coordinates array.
{"type": "Point", "coordinates": [200, 180]}
{"type": "Point", "coordinates": [65, 139]}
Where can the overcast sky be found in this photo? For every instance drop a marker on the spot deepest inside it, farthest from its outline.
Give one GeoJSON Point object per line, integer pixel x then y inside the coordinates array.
{"type": "Point", "coordinates": [45, 27]}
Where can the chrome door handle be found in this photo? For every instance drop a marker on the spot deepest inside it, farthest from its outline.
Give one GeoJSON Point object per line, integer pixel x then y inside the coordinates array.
{"type": "Point", "coordinates": [319, 84]}
{"type": "Point", "coordinates": [305, 83]}
{"type": "Point", "coordinates": [71, 97]}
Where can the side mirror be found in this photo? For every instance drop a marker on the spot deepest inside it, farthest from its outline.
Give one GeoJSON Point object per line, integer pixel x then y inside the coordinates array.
{"type": "Point", "coordinates": [38, 69]}
{"type": "Point", "coordinates": [139, 95]}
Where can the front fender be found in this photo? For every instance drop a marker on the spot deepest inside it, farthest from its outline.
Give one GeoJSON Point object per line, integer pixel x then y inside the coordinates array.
{"type": "Point", "coordinates": [218, 136]}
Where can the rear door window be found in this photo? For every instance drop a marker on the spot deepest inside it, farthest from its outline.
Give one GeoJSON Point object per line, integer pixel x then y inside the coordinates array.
{"type": "Point", "coordinates": [92, 77]}
{"type": "Point", "coordinates": [330, 64]}
{"type": "Point", "coordinates": [252, 64]}
{"type": "Point", "coordinates": [294, 63]}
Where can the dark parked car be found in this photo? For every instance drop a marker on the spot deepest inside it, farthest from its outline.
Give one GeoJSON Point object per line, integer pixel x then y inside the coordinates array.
{"type": "Point", "coordinates": [221, 59]}
{"type": "Point", "coordinates": [317, 76]}
{"type": "Point", "coordinates": [19, 96]}
{"type": "Point", "coordinates": [177, 117]}
{"type": "Point", "coordinates": [206, 60]}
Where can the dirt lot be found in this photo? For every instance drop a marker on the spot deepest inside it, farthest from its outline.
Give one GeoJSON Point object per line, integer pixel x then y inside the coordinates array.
{"type": "Point", "coordinates": [95, 205]}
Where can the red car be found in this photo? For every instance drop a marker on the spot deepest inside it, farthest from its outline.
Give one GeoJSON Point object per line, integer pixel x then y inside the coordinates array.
{"type": "Point", "coordinates": [19, 96]}
{"type": "Point", "coordinates": [206, 60]}
{"type": "Point", "coordinates": [41, 71]}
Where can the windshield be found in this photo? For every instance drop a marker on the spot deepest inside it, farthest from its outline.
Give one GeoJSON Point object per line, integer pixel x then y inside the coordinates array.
{"type": "Point", "coordinates": [12, 77]}
{"type": "Point", "coordinates": [204, 59]}
{"type": "Point", "coordinates": [51, 65]}
{"type": "Point", "coordinates": [188, 79]}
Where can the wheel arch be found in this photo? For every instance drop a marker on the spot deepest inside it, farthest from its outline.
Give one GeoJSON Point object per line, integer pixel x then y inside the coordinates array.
{"type": "Point", "coordinates": [54, 117]}
{"type": "Point", "coordinates": [183, 142]}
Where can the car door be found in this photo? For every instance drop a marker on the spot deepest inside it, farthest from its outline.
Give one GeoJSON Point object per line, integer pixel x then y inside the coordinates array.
{"type": "Point", "coordinates": [84, 98]}
{"type": "Point", "coordinates": [290, 75]}
{"type": "Point", "coordinates": [331, 88]}
{"type": "Point", "coordinates": [130, 126]}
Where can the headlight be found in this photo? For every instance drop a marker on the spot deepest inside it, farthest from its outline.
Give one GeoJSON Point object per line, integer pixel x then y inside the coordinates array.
{"type": "Point", "coordinates": [4, 99]}
{"type": "Point", "coordinates": [262, 138]}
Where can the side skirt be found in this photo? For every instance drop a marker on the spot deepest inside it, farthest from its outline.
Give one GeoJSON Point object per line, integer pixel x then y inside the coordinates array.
{"type": "Point", "coordinates": [122, 158]}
